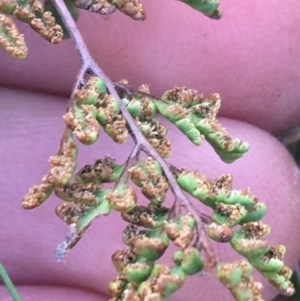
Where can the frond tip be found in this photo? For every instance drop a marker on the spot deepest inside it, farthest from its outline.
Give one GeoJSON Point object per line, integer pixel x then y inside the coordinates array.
{"type": "Point", "coordinates": [237, 278]}
{"type": "Point", "coordinates": [131, 8]}
{"type": "Point", "coordinates": [11, 39]}
{"type": "Point", "coordinates": [210, 8]}
{"type": "Point", "coordinates": [32, 12]}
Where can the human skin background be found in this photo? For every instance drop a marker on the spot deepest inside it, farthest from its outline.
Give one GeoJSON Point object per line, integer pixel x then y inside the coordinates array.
{"type": "Point", "coordinates": [251, 57]}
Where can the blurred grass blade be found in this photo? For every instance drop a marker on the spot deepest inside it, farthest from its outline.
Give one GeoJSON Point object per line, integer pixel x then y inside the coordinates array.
{"type": "Point", "coordinates": [8, 283]}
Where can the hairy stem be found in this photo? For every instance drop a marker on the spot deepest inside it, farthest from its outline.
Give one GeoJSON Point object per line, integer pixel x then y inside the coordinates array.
{"type": "Point", "coordinates": [8, 283]}
{"type": "Point", "coordinates": [89, 65]}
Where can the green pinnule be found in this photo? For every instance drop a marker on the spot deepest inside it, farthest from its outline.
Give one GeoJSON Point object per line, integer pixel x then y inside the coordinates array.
{"type": "Point", "coordinates": [10, 37]}
{"type": "Point", "coordinates": [44, 18]}
{"type": "Point", "coordinates": [102, 171]}
{"type": "Point", "coordinates": [195, 116]}
{"type": "Point", "coordinates": [237, 278]}
{"type": "Point", "coordinates": [148, 175]}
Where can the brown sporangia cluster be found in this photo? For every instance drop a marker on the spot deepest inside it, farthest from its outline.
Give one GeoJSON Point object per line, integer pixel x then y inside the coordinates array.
{"type": "Point", "coordinates": [237, 278]}
{"type": "Point", "coordinates": [32, 12]}
{"type": "Point", "coordinates": [61, 170]}
{"type": "Point", "coordinates": [93, 108]}
{"type": "Point", "coordinates": [144, 278]}
{"type": "Point", "coordinates": [146, 216]}
{"type": "Point", "coordinates": [148, 175]}
{"type": "Point", "coordinates": [190, 98]}
{"type": "Point", "coordinates": [101, 7]}
{"type": "Point", "coordinates": [195, 116]}
{"type": "Point", "coordinates": [182, 231]}
{"type": "Point", "coordinates": [117, 129]}
{"type": "Point", "coordinates": [142, 107]}
{"type": "Point", "coordinates": [84, 123]}
{"type": "Point", "coordinates": [11, 39]}
{"type": "Point", "coordinates": [101, 171]}
{"type": "Point", "coordinates": [267, 259]}
{"type": "Point", "coordinates": [234, 212]}
{"type": "Point", "coordinates": [217, 232]}
{"type": "Point", "coordinates": [122, 199]}
{"type": "Point", "coordinates": [43, 17]}
{"type": "Point", "coordinates": [156, 135]}
{"type": "Point", "coordinates": [131, 8]}
{"type": "Point", "coordinates": [79, 193]}
{"type": "Point", "coordinates": [70, 212]}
